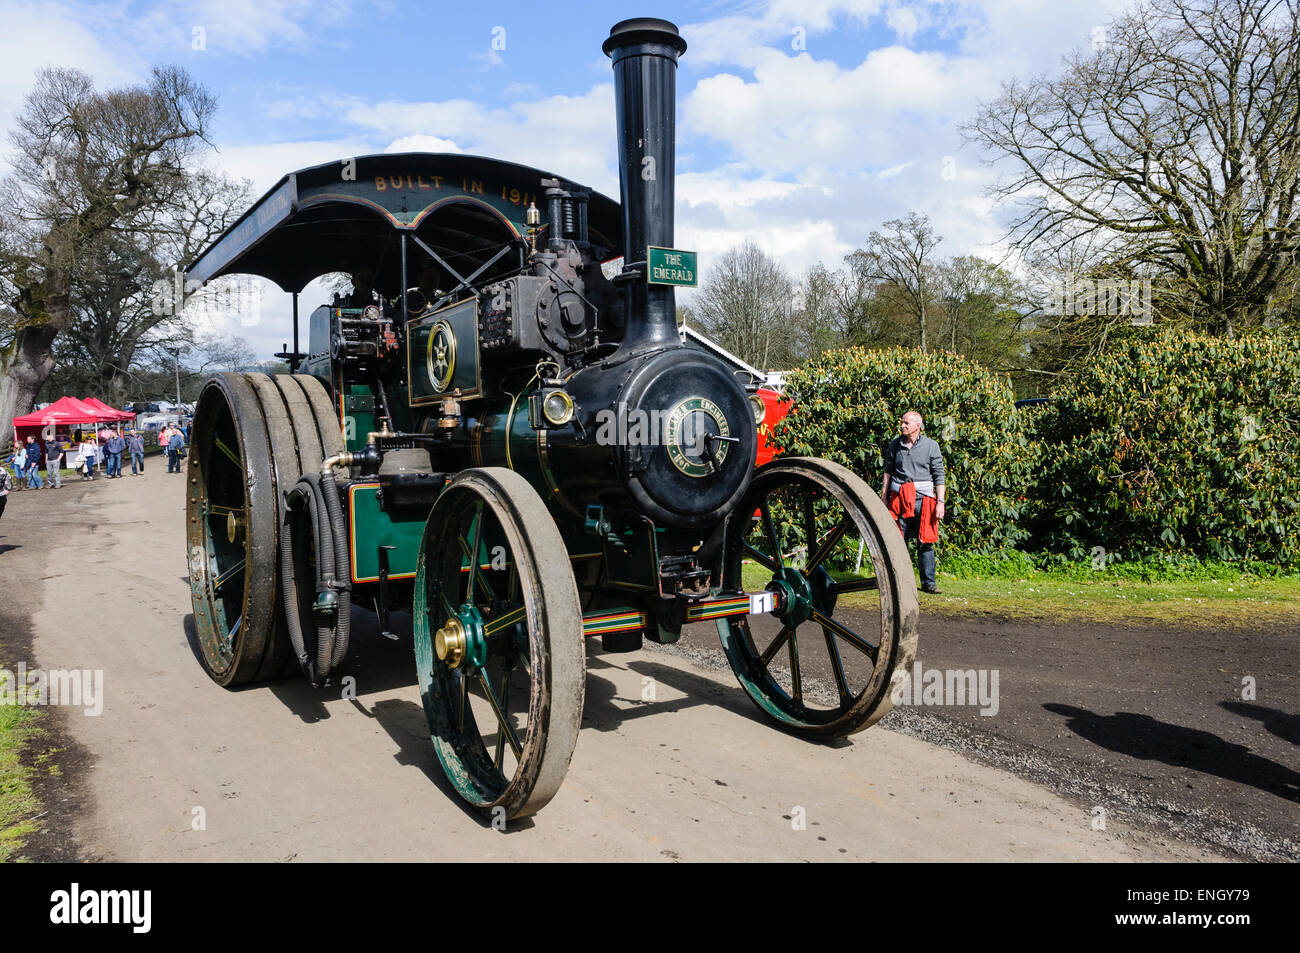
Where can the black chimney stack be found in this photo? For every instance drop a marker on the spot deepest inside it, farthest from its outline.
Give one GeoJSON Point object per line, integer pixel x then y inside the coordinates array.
{"type": "Point", "coordinates": [645, 51]}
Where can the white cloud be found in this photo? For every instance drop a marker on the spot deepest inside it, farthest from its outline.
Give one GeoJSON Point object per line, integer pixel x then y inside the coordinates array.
{"type": "Point", "coordinates": [266, 164]}
{"type": "Point", "coordinates": [572, 136]}
{"type": "Point", "coordinates": [240, 27]}
{"type": "Point", "coordinates": [422, 143]}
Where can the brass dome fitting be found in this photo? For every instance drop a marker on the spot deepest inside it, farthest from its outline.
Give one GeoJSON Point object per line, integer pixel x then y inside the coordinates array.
{"type": "Point", "coordinates": [450, 643]}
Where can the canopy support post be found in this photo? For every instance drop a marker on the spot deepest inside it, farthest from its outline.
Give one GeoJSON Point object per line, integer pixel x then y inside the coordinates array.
{"type": "Point", "coordinates": [404, 314]}
{"type": "Point", "coordinates": [294, 359]}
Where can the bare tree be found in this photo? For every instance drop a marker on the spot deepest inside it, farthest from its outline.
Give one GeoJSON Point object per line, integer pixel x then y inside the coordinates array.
{"type": "Point", "coordinates": [86, 163]}
{"type": "Point", "coordinates": [904, 259]}
{"type": "Point", "coordinates": [745, 305]}
{"type": "Point", "coordinates": [116, 312]}
{"type": "Point", "coordinates": [1173, 148]}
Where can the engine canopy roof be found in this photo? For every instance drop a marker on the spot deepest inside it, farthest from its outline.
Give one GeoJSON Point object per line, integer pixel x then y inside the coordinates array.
{"type": "Point", "coordinates": [349, 215]}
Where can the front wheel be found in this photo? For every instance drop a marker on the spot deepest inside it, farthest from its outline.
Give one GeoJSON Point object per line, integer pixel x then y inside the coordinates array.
{"type": "Point", "coordinates": [844, 632]}
{"type": "Point", "coordinates": [499, 648]}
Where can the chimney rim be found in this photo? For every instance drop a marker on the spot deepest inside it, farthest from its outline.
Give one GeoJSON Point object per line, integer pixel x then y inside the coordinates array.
{"type": "Point", "coordinates": [639, 30]}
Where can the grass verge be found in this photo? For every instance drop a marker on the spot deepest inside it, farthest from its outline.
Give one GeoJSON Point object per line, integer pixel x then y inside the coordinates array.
{"type": "Point", "coordinates": [1204, 595]}
{"type": "Point", "coordinates": [1050, 596]}
{"type": "Point", "coordinates": [18, 803]}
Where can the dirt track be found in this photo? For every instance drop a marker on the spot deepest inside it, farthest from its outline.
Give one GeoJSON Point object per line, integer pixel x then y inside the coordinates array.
{"type": "Point", "coordinates": [96, 573]}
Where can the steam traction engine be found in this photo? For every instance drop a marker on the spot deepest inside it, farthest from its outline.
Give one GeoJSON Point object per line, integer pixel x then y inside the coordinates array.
{"type": "Point", "coordinates": [501, 430]}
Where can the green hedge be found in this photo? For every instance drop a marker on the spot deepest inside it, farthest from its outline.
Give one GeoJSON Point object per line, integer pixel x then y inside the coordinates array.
{"type": "Point", "coordinates": [1176, 443]}
{"type": "Point", "coordinates": [846, 405]}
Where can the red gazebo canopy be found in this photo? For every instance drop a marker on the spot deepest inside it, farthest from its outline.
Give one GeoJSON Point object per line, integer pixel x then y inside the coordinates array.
{"type": "Point", "coordinates": [110, 413]}
{"type": "Point", "coordinates": [65, 410]}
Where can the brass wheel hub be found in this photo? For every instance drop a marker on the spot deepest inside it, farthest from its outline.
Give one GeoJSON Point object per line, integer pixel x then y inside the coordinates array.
{"type": "Point", "coordinates": [234, 527]}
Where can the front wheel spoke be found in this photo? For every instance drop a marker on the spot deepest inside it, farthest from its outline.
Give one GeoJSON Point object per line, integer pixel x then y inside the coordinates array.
{"type": "Point", "coordinates": [847, 634]}
{"type": "Point", "coordinates": [476, 573]}
{"type": "Point", "coordinates": [505, 700]}
{"type": "Point", "coordinates": [515, 746]}
{"type": "Point", "coordinates": [828, 544]}
{"type": "Point", "coordinates": [761, 558]}
{"type": "Point", "coordinates": [809, 518]}
{"type": "Point", "coordinates": [796, 677]}
{"type": "Point", "coordinates": [472, 549]}
{"type": "Point", "coordinates": [512, 583]}
{"type": "Point", "coordinates": [448, 609]}
{"type": "Point", "coordinates": [770, 528]}
{"type": "Point", "coordinates": [857, 585]}
{"type": "Point", "coordinates": [464, 703]}
{"type": "Point", "coordinates": [837, 666]}
{"type": "Point", "coordinates": [777, 642]}
{"type": "Point", "coordinates": [217, 509]}
{"type": "Point", "coordinates": [229, 574]}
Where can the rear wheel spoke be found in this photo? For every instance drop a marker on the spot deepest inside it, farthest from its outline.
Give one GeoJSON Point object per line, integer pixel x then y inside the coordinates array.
{"type": "Point", "coordinates": [229, 574]}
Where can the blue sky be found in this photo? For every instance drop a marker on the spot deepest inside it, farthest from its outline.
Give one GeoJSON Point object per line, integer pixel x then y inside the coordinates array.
{"type": "Point", "coordinates": [802, 124]}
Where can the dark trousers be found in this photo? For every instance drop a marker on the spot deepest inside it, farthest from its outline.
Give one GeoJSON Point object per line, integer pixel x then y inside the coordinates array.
{"type": "Point", "coordinates": [911, 529]}
{"type": "Point", "coordinates": [137, 458]}
{"type": "Point", "coordinates": [173, 461]}
{"type": "Point", "coordinates": [114, 464]}
{"type": "Point", "coordinates": [3, 501]}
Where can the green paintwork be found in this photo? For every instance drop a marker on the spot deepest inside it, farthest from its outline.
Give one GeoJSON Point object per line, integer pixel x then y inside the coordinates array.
{"type": "Point", "coordinates": [370, 527]}
{"type": "Point", "coordinates": [359, 415]}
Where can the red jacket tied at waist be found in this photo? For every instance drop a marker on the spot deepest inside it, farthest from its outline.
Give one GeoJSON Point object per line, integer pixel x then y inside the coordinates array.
{"type": "Point", "coordinates": [902, 503]}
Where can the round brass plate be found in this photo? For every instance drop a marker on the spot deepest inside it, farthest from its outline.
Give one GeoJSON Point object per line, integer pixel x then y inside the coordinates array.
{"type": "Point", "coordinates": [687, 448]}
{"type": "Point", "coordinates": [441, 357]}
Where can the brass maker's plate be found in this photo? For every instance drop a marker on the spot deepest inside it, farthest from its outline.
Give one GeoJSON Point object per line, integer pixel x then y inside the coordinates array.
{"type": "Point", "coordinates": [684, 435]}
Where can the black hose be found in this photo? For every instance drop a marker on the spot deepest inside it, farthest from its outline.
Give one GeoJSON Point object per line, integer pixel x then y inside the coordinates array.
{"type": "Point", "coordinates": [332, 573]}
{"type": "Point", "coordinates": [326, 570]}
{"type": "Point", "coordinates": [343, 570]}
{"type": "Point", "coordinates": [289, 587]}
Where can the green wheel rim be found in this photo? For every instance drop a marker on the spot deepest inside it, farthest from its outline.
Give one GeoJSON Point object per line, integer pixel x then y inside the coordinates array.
{"type": "Point", "coordinates": [504, 720]}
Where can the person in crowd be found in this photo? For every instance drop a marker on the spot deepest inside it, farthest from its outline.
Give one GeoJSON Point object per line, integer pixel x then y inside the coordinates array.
{"type": "Point", "coordinates": [914, 490]}
{"type": "Point", "coordinates": [33, 465]}
{"type": "Point", "coordinates": [114, 448]}
{"type": "Point", "coordinates": [6, 484]}
{"type": "Point", "coordinates": [175, 446]}
{"type": "Point", "coordinates": [53, 461]}
{"type": "Point", "coordinates": [89, 453]}
{"type": "Point", "coordinates": [135, 444]}
{"type": "Point", "coordinates": [19, 462]}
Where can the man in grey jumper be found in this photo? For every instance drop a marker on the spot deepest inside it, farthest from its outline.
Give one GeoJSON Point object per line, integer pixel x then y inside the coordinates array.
{"type": "Point", "coordinates": [914, 458]}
